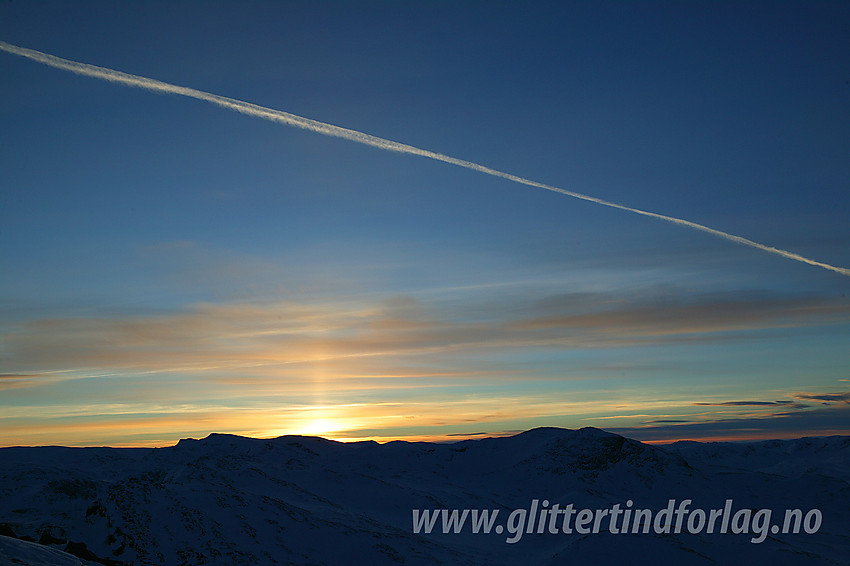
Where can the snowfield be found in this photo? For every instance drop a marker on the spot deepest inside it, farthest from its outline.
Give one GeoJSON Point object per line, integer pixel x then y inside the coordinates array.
{"type": "Point", "coordinates": [305, 500]}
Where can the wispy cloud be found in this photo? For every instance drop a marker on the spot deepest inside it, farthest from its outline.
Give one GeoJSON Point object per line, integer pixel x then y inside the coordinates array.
{"type": "Point", "coordinates": [367, 139]}
{"type": "Point", "coordinates": [789, 424]}
{"type": "Point", "coordinates": [363, 335]}
{"type": "Point", "coordinates": [756, 419]}
{"type": "Point", "coordinates": [826, 398]}
{"type": "Point", "coordinates": [22, 380]}
{"type": "Point", "coordinates": [752, 404]}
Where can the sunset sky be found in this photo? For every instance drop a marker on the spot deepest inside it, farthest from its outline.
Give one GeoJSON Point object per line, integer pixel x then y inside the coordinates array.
{"type": "Point", "coordinates": [169, 268]}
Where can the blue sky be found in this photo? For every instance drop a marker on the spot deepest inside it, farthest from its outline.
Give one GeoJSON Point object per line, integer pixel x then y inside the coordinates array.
{"type": "Point", "coordinates": [173, 269]}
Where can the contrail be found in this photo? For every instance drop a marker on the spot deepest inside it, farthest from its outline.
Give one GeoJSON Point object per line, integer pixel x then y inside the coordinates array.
{"type": "Point", "coordinates": [360, 137]}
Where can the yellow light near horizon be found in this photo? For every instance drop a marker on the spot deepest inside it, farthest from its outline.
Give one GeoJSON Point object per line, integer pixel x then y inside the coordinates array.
{"type": "Point", "coordinates": [324, 422]}
{"type": "Point", "coordinates": [319, 427]}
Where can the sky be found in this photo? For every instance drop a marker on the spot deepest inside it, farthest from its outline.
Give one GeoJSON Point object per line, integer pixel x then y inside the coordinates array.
{"type": "Point", "coordinates": [170, 268]}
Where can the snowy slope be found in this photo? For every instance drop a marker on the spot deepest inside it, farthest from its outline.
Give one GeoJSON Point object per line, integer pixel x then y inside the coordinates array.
{"type": "Point", "coordinates": [305, 500]}
{"type": "Point", "coordinates": [829, 456]}
{"type": "Point", "coordinates": [14, 551]}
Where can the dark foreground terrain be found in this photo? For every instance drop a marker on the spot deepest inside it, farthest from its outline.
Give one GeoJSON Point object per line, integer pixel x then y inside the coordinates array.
{"type": "Point", "coordinates": [304, 500]}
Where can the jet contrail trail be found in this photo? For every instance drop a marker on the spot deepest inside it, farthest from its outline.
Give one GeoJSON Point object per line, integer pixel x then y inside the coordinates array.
{"type": "Point", "coordinates": [360, 137]}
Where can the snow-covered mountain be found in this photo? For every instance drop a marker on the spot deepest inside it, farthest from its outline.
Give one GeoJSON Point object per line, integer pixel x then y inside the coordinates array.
{"type": "Point", "coordinates": [305, 500]}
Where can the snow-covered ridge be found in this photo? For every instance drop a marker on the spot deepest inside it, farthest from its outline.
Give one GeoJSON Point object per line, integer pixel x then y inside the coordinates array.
{"type": "Point", "coordinates": [304, 500]}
